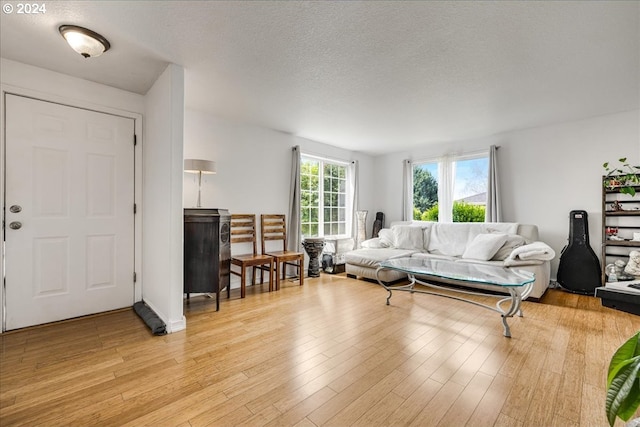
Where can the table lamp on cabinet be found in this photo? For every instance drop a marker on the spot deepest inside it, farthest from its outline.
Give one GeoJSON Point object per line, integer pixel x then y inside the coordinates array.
{"type": "Point", "coordinates": [199, 166]}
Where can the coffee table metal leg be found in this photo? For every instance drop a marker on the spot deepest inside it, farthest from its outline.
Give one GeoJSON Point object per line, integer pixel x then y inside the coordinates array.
{"type": "Point", "coordinates": [408, 287]}
{"type": "Point", "coordinates": [514, 308]}
{"type": "Point", "coordinates": [505, 325]}
{"type": "Point", "coordinates": [381, 283]}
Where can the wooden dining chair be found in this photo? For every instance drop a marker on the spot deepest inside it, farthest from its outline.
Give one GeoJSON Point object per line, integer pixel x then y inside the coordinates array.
{"type": "Point", "coordinates": [243, 230]}
{"type": "Point", "coordinates": [273, 229]}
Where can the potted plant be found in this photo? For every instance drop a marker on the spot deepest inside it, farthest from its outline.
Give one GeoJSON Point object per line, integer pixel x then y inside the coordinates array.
{"type": "Point", "coordinates": [625, 176]}
{"type": "Point", "coordinates": [623, 381]}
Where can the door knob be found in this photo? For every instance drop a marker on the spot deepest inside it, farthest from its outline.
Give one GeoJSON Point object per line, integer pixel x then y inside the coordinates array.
{"type": "Point", "coordinates": [15, 225]}
{"type": "Point", "coordinates": [15, 208]}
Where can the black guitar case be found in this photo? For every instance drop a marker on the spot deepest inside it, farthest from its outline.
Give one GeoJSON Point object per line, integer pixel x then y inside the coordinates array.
{"type": "Point", "coordinates": [579, 270]}
{"type": "Point", "coordinates": [378, 224]}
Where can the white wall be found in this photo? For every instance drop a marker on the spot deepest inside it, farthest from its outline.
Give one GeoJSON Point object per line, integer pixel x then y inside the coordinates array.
{"type": "Point", "coordinates": [72, 89]}
{"type": "Point", "coordinates": [27, 80]}
{"type": "Point", "coordinates": [545, 172]}
{"type": "Point", "coordinates": [162, 244]}
{"type": "Point", "coordinates": [254, 166]}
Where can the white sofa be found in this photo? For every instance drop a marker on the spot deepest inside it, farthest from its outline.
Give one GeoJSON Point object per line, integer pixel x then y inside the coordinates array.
{"type": "Point", "coordinates": [504, 244]}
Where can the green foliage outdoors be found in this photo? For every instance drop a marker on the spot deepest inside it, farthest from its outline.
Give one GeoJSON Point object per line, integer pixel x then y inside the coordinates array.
{"type": "Point", "coordinates": [462, 212]}
{"type": "Point", "coordinates": [333, 192]}
{"type": "Point", "coordinates": [309, 197]}
{"type": "Point", "coordinates": [425, 201]}
{"type": "Point", "coordinates": [430, 214]}
{"type": "Point", "coordinates": [425, 190]}
{"type": "Point", "coordinates": [465, 212]}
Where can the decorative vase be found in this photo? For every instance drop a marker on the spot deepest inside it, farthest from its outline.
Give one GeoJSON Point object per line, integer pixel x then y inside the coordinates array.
{"type": "Point", "coordinates": [313, 246]}
{"type": "Point", "coordinates": [361, 222]}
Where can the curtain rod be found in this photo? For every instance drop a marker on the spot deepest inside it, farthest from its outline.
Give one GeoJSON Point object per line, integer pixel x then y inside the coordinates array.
{"type": "Point", "coordinates": [322, 157]}
{"type": "Point", "coordinates": [461, 156]}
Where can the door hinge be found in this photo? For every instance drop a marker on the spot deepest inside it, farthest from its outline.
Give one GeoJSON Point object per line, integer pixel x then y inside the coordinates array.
{"type": "Point", "coordinates": [135, 208]}
{"type": "Point", "coordinates": [135, 139]}
{"type": "Point", "coordinates": [135, 277]}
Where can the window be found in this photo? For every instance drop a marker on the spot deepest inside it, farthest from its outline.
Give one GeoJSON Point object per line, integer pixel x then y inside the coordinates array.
{"type": "Point", "coordinates": [469, 175]}
{"type": "Point", "coordinates": [323, 201]}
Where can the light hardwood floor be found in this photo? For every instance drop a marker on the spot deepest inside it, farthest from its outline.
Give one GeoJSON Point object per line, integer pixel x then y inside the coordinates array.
{"type": "Point", "coordinates": [327, 353]}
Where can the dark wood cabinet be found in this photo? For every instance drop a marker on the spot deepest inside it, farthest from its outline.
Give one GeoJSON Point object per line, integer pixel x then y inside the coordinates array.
{"type": "Point", "coordinates": [207, 251]}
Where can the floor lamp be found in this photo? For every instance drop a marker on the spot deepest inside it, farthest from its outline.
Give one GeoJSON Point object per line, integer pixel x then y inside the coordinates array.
{"type": "Point", "coordinates": [199, 166]}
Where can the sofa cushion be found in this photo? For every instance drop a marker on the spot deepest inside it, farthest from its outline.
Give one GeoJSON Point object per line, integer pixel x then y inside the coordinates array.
{"type": "Point", "coordinates": [373, 257]}
{"type": "Point", "coordinates": [500, 227]}
{"type": "Point", "coordinates": [408, 237]}
{"type": "Point", "coordinates": [374, 243]}
{"type": "Point", "coordinates": [452, 238]}
{"type": "Point", "coordinates": [513, 241]}
{"type": "Point", "coordinates": [387, 239]}
{"type": "Point", "coordinates": [484, 246]}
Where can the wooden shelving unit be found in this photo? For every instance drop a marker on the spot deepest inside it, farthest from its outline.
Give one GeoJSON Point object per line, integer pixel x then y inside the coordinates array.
{"type": "Point", "coordinates": [626, 222]}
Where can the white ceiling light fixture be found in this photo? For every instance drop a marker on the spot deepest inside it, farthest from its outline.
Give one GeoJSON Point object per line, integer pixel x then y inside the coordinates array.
{"type": "Point", "coordinates": [84, 41]}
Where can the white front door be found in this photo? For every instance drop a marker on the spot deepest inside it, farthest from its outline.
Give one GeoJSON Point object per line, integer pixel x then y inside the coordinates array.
{"type": "Point", "coordinates": [69, 220]}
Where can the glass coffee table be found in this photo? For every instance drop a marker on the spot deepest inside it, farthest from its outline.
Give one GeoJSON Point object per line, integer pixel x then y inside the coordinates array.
{"type": "Point", "coordinates": [517, 283]}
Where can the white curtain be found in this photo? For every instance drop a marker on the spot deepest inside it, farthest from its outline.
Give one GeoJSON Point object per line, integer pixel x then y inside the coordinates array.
{"type": "Point", "coordinates": [446, 174]}
{"type": "Point", "coordinates": [407, 190]}
{"type": "Point", "coordinates": [493, 212]}
{"type": "Point", "coordinates": [294, 237]}
{"type": "Point", "coordinates": [354, 199]}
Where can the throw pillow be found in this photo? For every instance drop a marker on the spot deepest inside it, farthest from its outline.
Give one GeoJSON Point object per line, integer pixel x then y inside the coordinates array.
{"type": "Point", "coordinates": [374, 243]}
{"type": "Point", "coordinates": [513, 241]}
{"type": "Point", "coordinates": [408, 237]}
{"type": "Point", "coordinates": [386, 238]}
{"type": "Point", "coordinates": [484, 246]}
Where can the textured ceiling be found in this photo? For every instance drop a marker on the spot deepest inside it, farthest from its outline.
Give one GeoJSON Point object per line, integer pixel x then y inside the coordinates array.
{"type": "Point", "coordinates": [367, 76]}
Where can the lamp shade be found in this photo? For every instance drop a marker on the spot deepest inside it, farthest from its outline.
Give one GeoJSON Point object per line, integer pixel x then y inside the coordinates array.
{"type": "Point", "coordinates": [198, 165]}
{"type": "Point", "coordinates": [84, 41]}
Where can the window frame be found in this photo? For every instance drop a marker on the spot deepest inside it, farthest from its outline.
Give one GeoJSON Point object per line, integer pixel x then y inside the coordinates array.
{"type": "Point", "coordinates": [348, 197]}
{"type": "Point", "coordinates": [451, 160]}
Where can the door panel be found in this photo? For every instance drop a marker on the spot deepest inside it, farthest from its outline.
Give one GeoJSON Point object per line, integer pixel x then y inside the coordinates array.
{"type": "Point", "coordinates": [51, 266]}
{"type": "Point", "coordinates": [50, 182]}
{"type": "Point", "coordinates": [72, 173]}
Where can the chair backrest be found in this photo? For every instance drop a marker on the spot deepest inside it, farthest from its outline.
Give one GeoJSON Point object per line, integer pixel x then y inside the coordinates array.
{"type": "Point", "coordinates": [273, 228]}
{"type": "Point", "coordinates": [243, 229]}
